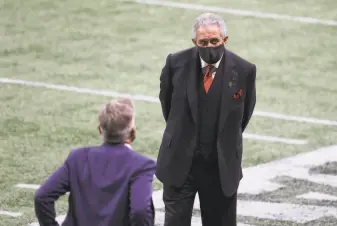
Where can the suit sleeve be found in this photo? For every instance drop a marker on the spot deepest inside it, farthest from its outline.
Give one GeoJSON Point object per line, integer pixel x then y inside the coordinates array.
{"type": "Point", "coordinates": [166, 88]}
{"type": "Point", "coordinates": [56, 185]}
{"type": "Point", "coordinates": [141, 204]}
{"type": "Point", "coordinates": [250, 99]}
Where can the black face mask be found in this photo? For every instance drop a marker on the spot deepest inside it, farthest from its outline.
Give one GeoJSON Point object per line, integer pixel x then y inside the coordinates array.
{"type": "Point", "coordinates": [211, 55]}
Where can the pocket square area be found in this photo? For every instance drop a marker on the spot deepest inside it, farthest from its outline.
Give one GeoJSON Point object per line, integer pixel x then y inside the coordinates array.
{"type": "Point", "coordinates": [238, 94]}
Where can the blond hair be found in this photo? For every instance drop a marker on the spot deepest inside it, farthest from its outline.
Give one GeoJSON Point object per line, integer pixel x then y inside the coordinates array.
{"type": "Point", "coordinates": [116, 120]}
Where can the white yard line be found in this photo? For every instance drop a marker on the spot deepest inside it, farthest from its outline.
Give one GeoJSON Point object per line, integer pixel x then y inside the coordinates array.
{"type": "Point", "coordinates": [295, 118]}
{"type": "Point", "coordinates": [154, 100]}
{"type": "Point", "coordinates": [238, 12]}
{"type": "Point", "coordinates": [77, 90]}
{"type": "Point", "coordinates": [10, 214]}
{"type": "Point", "coordinates": [28, 186]}
{"type": "Point", "coordinates": [273, 139]}
{"type": "Point", "coordinates": [317, 196]}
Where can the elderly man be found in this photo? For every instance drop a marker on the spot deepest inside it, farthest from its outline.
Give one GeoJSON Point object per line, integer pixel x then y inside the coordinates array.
{"type": "Point", "coordinates": [207, 95]}
{"type": "Point", "coordinates": [109, 184]}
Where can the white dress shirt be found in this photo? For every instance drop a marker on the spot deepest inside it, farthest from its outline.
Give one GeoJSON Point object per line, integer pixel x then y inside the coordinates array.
{"type": "Point", "coordinates": [216, 65]}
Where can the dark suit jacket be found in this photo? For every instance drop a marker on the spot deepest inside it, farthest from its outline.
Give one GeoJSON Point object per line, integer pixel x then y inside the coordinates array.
{"type": "Point", "coordinates": [108, 185]}
{"type": "Point", "coordinates": [179, 101]}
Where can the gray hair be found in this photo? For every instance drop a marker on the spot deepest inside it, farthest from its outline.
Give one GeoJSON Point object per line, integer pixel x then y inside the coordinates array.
{"type": "Point", "coordinates": [207, 19]}
{"type": "Point", "coordinates": [116, 120]}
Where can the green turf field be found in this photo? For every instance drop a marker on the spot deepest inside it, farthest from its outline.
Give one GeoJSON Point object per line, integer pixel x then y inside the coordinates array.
{"type": "Point", "coordinates": [121, 46]}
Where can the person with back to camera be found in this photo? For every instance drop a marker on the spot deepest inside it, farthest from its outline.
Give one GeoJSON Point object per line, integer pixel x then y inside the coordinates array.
{"type": "Point", "coordinates": [109, 184]}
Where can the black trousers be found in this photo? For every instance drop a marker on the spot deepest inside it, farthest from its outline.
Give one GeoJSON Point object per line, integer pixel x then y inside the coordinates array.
{"type": "Point", "coordinates": [216, 208]}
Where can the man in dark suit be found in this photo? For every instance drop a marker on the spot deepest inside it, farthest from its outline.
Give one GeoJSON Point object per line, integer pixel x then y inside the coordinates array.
{"type": "Point", "coordinates": [109, 184]}
{"type": "Point", "coordinates": [207, 95]}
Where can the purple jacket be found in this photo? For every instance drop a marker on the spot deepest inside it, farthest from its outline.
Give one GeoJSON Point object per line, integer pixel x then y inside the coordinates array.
{"type": "Point", "coordinates": [109, 185]}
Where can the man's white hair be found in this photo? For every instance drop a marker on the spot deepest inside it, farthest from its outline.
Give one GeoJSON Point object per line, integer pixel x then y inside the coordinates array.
{"type": "Point", "coordinates": [207, 19]}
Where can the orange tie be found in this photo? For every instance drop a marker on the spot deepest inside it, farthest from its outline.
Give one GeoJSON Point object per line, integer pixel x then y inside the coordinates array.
{"type": "Point", "coordinates": [208, 77]}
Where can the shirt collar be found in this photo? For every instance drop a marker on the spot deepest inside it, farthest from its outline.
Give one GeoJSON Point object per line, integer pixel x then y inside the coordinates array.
{"type": "Point", "coordinates": [204, 64]}
{"type": "Point", "coordinates": [128, 146]}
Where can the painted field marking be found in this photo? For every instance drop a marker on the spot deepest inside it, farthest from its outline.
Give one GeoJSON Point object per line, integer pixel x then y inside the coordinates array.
{"type": "Point", "coordinates": [295, 167]}
{"type": "Point", "coordinates": [273, 139]}
{"type": "Point", "coordinates": [154, 100]}
{"type": "Point", "coordinates": [238, 12]}
{"type": "Point", "coordinates": [28, 186]}
{"type": "Point", "coordinates": [317, 196]}
{"type": "Point", "coordinates": [77, 89]}
{"type": "Point", "coordinates": [295, 118]}
{"type": "Point", "coordinates": [10, 214]}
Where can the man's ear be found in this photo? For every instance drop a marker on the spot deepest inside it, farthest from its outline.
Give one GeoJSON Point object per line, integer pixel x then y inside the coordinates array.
{"type": "Point", "coordinates": [133, 133]}
{"type": "Point", "coordinates": [99, 130]}
{"type": "Point", "coordinates": [194, 41]}
{"type": "Point", "coordinates": [225, 40]}
{"type": "Point", "coordinates": [132, 136]}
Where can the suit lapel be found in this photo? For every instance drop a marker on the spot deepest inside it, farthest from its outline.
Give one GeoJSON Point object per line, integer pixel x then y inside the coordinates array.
{"type": "Point", "coordinates": [228, 70]}
{"type": "Point", "coordinates": [227, 67]}
{"type": "Point", "coordinates": [193, 70]}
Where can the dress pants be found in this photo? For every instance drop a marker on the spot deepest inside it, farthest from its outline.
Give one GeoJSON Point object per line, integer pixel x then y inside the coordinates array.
{"type": "Point", "coordinates": [216, 208]}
